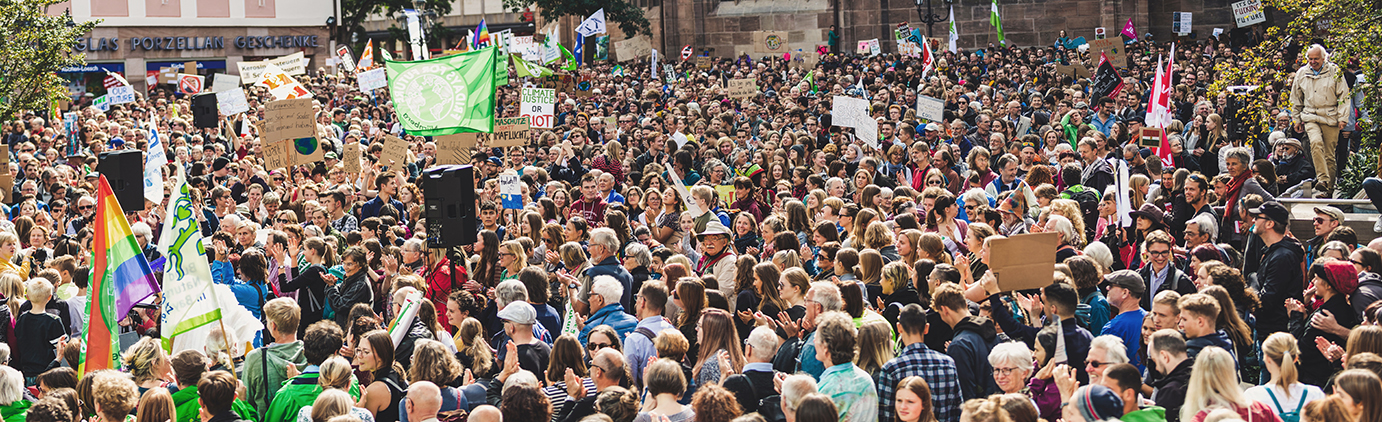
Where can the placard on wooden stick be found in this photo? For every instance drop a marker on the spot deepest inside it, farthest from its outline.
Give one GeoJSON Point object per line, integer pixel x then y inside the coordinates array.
{"type": "Point", "coordinates": [1024, 261]}
{"type": "Point", "coordinates": [288, 119]}
{"type": "Point", "coordinates": [509, 132]}
{"type": "Point", "coordinates": [395, 152]}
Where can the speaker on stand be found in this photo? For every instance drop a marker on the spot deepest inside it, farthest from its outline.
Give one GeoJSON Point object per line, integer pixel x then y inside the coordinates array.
{"type": "Point", "coordinates": [124, 169]}
{"type": "Point", "coordinates": [449, 198]}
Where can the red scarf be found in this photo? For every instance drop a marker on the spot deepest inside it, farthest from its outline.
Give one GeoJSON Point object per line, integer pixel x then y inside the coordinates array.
{"type": "Point", "coordinates": [1235, 187]}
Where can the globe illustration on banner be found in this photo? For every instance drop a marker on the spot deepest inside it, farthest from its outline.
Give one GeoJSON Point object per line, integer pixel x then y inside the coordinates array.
{"type": "Point", "coordinates": [305, 146]}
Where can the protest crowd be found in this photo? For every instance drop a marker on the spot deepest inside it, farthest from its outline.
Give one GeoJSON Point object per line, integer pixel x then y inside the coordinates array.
{"type": "Point", "coordinates": [680, 255]}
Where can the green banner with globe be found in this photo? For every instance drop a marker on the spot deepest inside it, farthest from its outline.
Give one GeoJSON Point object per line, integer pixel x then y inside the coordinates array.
{"type": "Point", "coordinates": [446, 95]}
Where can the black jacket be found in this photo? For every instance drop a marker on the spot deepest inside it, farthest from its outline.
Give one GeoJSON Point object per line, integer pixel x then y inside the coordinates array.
{"type": "Point", "coordinates": [974, 337]}
{"type": "Point", "coordinates": [1315, 369]}
{"type": "Point", "coordinates": [750, 389]}
{"type": "Point", "coordinates": [1296, 169]}
{"type": "Point", "coordinates": [1170, 389]}
{"type": "Point", "coordinates": [1281, 276]}
{"type": "Point", "coordinates": [1369, 291]}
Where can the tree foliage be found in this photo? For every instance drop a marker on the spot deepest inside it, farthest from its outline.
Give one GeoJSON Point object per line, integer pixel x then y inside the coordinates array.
{"type": "Point", "coordinates": [629, 16]}
{"type": "Point", "coordinates": [34, 46]}
{"type": "Point", "coordinates": [355, 12]}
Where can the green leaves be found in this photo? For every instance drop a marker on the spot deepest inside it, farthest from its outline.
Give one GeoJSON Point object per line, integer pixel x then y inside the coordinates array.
{"type": "Point", "coordinates": [34, 47]}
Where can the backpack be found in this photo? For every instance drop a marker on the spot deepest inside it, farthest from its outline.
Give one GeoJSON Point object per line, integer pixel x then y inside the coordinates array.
{"type": "Point", "coordinates": [1089, 205]}
{"type": "Point", "coordinates": [1288, 416]}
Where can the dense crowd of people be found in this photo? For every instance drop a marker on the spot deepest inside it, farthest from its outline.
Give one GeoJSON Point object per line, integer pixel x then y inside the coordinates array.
{"type": "Point", "coordinates": [680, 255]}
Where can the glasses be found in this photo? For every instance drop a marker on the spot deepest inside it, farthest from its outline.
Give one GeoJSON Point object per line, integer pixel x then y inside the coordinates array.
{"type": "Point", "coordinates": [1005, 371]}
{"type": "Point", "coordinates": [85, 207]}
{"type": "Point", "coordinates": [1096, 364]}
{"type": "Point", "coordinates": [505, 254]}
{"type": "Point", "coordinates": [1159, 253]}
{"type": "Point", "coordinates": [1322, 220]}
{"type": "Point", "coordinates": [593, 346]}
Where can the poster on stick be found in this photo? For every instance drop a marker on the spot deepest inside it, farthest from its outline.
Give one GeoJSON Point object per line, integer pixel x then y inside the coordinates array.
{"type": "Point", "coordinates": [288, 119]}
{"type": "Point", "coordinates": [510, 132]}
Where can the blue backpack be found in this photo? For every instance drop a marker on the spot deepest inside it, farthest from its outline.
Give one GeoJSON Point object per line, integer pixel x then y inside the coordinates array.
{"type": "Point", "coordinates": [1288, 416]}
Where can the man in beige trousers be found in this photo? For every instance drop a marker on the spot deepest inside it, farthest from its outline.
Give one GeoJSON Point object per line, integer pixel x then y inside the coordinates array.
{"type": "Point", "coordinates": [1320, 107]}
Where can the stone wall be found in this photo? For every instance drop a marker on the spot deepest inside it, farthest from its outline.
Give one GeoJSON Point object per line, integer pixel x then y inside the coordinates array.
{"type": "Point", "coordinates": [727, 26]}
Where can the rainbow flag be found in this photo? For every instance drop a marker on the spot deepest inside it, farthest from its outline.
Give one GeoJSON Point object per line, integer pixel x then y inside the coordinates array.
{"type": "Point", "coordinates": [120, 278]}
{"type": "Point", "coordinates": [482, 35]}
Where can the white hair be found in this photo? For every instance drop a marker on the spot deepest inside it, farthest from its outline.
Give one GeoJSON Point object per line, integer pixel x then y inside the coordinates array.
{"type": "Point", "coordinates": [764, 342]}
{"type": "Point", "coordinates": [1014, 353]}
{"type": "Point", "coordinates": [833, 181]}
{"type": "Point", "coordinates": [11, 385]}
{"type": "Point", "coordinates": [510, 291]}
{"type": "Point", "coordinates": [1206, 224]}
{"type": "Point", "coordinates": [1114, 349]}
{"type": "Point", "coordinates": [796, 387]}
{"type": "Point", "coordinates": [1064, 227]}
{"type": "Point", "coordinates": [639, 252]}
{"type": "Point", "coordinates": [522, 377]}
{"type": "Point", "coordinates": [827, 294]}
{"type": "Point", "coordinates": [1100, 253]}
{"type": "Point", "coordinates": [975, 196]}
{"type": "Point", "coordinates": [608, 288]}
{"type": "Point", "coordinates": [141, 228]}
{"type": "Point", "coordinates": [605, 236]}
{"type": "Point", "coordinates": [1324, 54]}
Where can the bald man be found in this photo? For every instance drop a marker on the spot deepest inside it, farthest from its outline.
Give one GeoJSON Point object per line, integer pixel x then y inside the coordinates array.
{"type": "Point", "coordinates": [486, 413]}
{"type": "Point", "coordinates": [424, 400]}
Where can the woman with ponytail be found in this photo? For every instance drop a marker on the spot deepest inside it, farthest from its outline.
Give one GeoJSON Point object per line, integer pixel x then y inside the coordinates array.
{"type": "Point", "coordinates": [1284, 393]}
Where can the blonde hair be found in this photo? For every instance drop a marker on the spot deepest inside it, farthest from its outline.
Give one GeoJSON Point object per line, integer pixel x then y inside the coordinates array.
{"type": "Point", "coordinates": [1282, 349]}
{"type": "Point", "coordinates": [12, 286]}
{"type": "Point", "coordinates": [1213, 383]}
{"type": "Point", "coordinates": [335, 373]}
{"type": "Point", "coordinates": [895, 275]}
{"type": "Point", "coordinates": [140, 358]}
{"type": "Point", "coordinates": [329, 404]}
{"type": "Point", "coordinates": [875, 346]}
{"type": "Point", "coordinates": [1070, 209]}
{"type": "Point", "coordinates": [115, 393]}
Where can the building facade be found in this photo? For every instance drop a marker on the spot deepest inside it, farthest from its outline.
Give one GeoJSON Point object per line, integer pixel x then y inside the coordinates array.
{"type": "Point", "coordinates": [136, 38]}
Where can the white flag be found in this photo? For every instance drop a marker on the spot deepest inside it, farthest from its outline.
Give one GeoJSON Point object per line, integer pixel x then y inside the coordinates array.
{"type": "Point", "coordinates": [595, 24]}
{"type": "Point", "coordinates": [189, 298]}
{"type": "Point", "coordinates": [954, 34]}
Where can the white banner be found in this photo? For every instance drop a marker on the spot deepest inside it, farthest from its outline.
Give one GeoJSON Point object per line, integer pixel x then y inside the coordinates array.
{"type": "Point", "coordinates": [189, 296]}
{"type": "Point", "coordinates": [252, 72]}
{"type": "Point", "coordinates": [509, 192]}
{"type": "Point", "coordinates": [539, 105]}
{"type": "Point", "coordinates": [224, 81]}
{"type": "Point", "coordinates": [854, 112]}
{"type": "Point", "coordinates": [526, 48]}
{"type": "Point", "coordinates": [372, 79]}
{"type": "Point", "coordinates": [931, 109]}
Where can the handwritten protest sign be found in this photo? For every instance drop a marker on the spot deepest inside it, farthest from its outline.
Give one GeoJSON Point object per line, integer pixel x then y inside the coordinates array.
{"type": "Point", "coordinates": [395, 152]}
{"type": "Point", "coordinates": [931, 109]}
{"type": "Point", "coordinates": [742, 88]}
{"type": "Point", "coordinates": [224, 81]}
{"type": "Point", "coordinates": [455, 149]}
{"type": "Point", "coordinates": [633, 48]}
{"type": "Point", "coordinates": [510, 132]}
{"type": "Point", "coordinates": [276, 154]}
{"type": "Point", "coordinates": [702, 62]}
{"type": "Point", "coordinates": [372, 79]}
{"type": "Point", "coordinates": [121, 94]}
{"type": "Point", "coordinates": [306, 151]}
{"type": "Point", "coordinates": [351, 158]}
{"type": "Point", "coordinates": [854, 112]}
{"type": "Point", "coordinates": [1248, 12]}
{"type": "Point", "coordinates": [509, 191]}
{"type": "Point", "coordinates": [1077, 70]}
{"type": "Point", "coordinates": [288, 119]}
{"type": "Point", "coordinates": [232, 101]}
{"type": "Point", "coordinates": [253, 72]}
{"type": "Point", "coordinates": [1111, 46]}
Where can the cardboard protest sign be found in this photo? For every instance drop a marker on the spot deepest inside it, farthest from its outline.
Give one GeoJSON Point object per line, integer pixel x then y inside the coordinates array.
{"type": "Point", "coordinates": [167, 75]}
{"type": "Point", "coordinates": [232, 101]}
{"type": "Point", "coordinates": [510, 194]}
{"type": "Point", "coordinates": [509, 132]}
{"type": "Point", "coordinates": [1248, 12]}
{"type": "Point", "coordinates": [631, 48]}
{"type": "Point", "coordinates": [455, 149]}
{"type": "Point", "coordinates": [1077, 70]}
{"type": "Point", "coordinates": [306, 151]}
{"type": "Point", "coordinates": [702, 62]}
{"type": "Point", "coordinates": [742, 88]}
{"type": "Point", "coordinates": [560, 82]}
{"type": "Point", "coordinates": [351, 158]}
{"type": "Point", "coordinates": [1024, 261]}
{"type": "Point", "coordinates": [395, 152]}
{"type": "Point", "coordinates": [931, 109]}
{"type": "Point", "coordinates": [769, 41]}
{"type": "Point", "coordinates": [1111, 46]}
{"type": "Point", "coordinates": [288, 119]}
{"type": "Point", "coordinates": [276, 155]}
{"type": "Point", "coordinates": [870, 47]}
{"type": "Point", "coordinates": [189, 67]}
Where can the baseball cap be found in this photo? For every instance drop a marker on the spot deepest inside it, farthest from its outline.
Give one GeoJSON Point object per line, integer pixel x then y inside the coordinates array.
{"type": "Point", "coordinates": [519, 312]}
{"type": "Point", "coordinates": [331, 156]}
{"type": "Point", "coordinates": [1127, 279]}
{"type": "Point", "coordinates": [932, 127]}
{"type": "Point", "coordinates": [1272, 210]}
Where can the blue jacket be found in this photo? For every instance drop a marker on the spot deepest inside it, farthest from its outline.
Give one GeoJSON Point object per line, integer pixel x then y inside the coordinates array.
{"type": "Point", "coordinates": [612, 315]}
{"type": "Point", "coordinates": [611, 267]}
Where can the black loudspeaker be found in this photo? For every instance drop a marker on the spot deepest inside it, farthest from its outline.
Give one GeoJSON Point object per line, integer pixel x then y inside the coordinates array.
{"type": "Point", "coordinates": [204, 112]}
{"type": "Point", "coordinates": [449, 194]}
{"type": "Point", "coordinates": [124, 169]}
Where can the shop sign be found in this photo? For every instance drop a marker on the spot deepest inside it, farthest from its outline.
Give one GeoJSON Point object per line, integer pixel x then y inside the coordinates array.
{"type": "Point", "coordinates": [196, 43]}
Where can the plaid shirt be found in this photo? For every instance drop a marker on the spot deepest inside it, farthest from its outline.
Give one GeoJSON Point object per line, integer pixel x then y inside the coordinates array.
{"type": "Point", "coordinates": [936, 368]}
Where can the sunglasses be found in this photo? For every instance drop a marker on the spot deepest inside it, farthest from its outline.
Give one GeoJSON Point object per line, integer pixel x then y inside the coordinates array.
{"type": "Point", "coordinates": [593, 346]}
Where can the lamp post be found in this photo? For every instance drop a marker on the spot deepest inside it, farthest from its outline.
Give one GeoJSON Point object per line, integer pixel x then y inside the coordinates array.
{"type": "Point", "coordinates": [929, 17]}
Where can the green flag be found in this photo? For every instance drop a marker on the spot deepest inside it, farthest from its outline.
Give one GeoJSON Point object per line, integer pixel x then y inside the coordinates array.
{"type": "Point", "coordinates": [996, 21]}
{"type": "Point", "coordinates": [446, 95]}
{"type": "Point", "coordinates": [570, 58]}
{"type": "Point", "coordinates": [501, 69]}
{"type": "Point", "coordinates": [528, 69]}
{"type": "Point", "coordinates": [810, 81]}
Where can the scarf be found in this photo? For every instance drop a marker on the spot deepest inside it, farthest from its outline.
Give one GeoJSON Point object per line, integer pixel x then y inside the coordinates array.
{"type": "Point", "coordinates": [1235, 187]}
